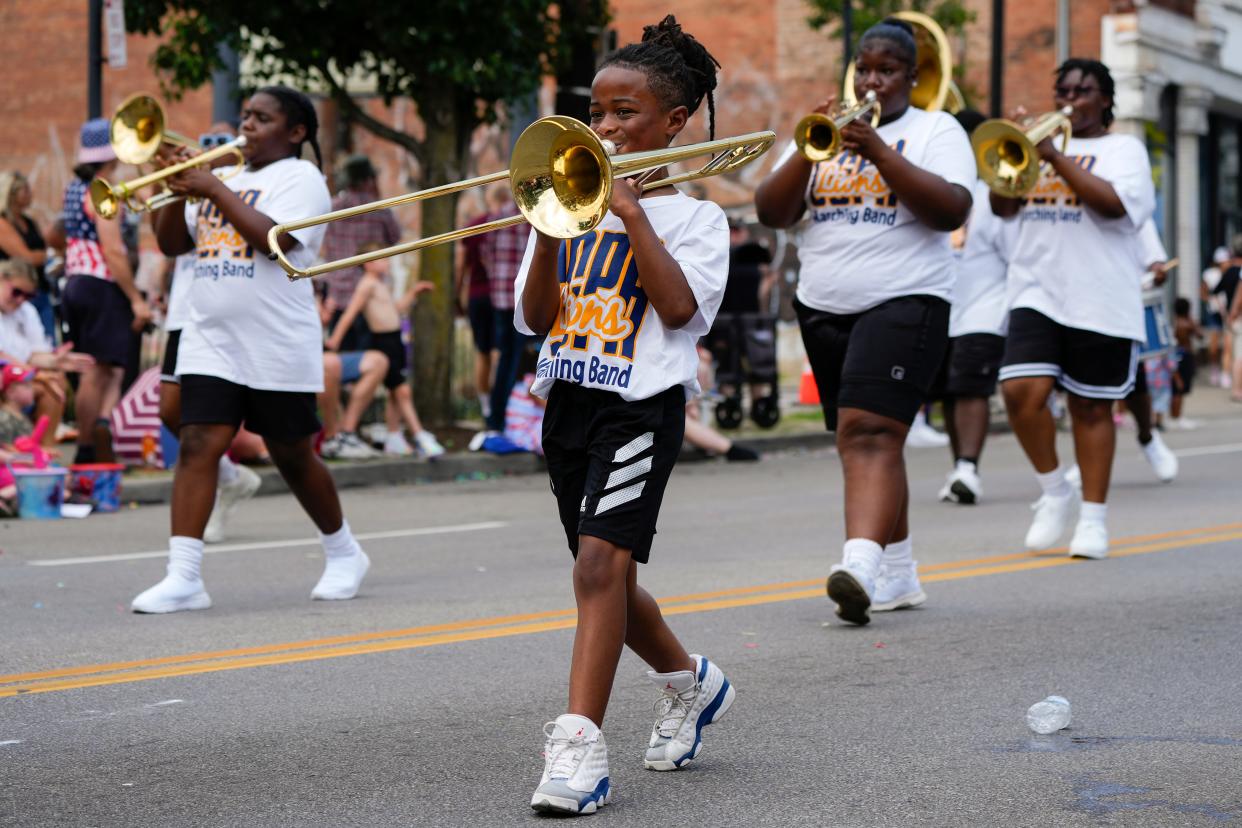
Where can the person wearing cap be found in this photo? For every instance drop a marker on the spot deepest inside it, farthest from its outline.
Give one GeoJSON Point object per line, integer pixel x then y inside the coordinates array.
{"type": "Point", "coordinates": [102, 304]}
{"type": "Point", "coordinates": [345, 238]}
{"type": "Point", "coordinates": [1213, 316]}
{"type": "Point", "coordinates": [16, 395]}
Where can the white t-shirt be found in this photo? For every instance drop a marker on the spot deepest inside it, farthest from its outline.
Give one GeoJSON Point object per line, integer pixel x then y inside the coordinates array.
{"type": "Point", "coordinates": [248, 323]}
{"type": "Point", "coordinates": [22, 333]}
{"type": "Point", "coordinates": [179, 294]}
{"type": "Point", "coordinates": [860, 246]}
{"type": "Point", "coordinates": [979, 293]}
{"type": "Point", "coordinates": [607, 335]}
{"type": "Point", "coordinates": [1070, 263]}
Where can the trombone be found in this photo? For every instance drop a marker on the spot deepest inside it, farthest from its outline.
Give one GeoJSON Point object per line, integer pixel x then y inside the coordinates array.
{"type": "Point", "coordinates": [818, 136]}
{"type": "Point", "coordinates": [1006, 152]}
{"type": "Point", "coordinates": [137, 132]}
{"type": "Point", "coordinates": [561, 177]}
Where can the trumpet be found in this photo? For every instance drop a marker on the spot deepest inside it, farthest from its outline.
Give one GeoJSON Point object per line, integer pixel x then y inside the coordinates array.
{"type": "Point", "coordinates": [1006, 152]}
{"type": "Point", "coordinates": [818, 136]}
{"type": "Point", "coordinates": [136, 132]}
{"type": "Point", "coordinates": [561, 177]}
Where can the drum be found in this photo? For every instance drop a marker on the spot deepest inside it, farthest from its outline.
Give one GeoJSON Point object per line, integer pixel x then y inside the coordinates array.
{"type": "Point", "coordinates": [1159, 341]}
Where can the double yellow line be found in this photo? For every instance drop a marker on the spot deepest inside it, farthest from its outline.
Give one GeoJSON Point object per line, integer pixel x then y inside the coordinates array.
{"type": "Point", "coordinates": [124, 672]}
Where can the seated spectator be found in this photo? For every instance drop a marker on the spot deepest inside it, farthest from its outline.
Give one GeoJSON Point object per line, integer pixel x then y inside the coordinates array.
{"type": "Point", "coordinates": [702, 436]}
{"type": "Point", "coordinates": [20, 239]}
{"type": "Point", "coordinates": [16, 396]}
{"type": "Point", "coordinates": [24, 341]}
{"type": "Point", "coordinates": [364, 370]}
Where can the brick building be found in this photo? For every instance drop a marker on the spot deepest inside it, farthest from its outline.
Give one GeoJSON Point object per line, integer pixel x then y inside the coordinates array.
{"type": "Point", "coordinates": [1179, 86]}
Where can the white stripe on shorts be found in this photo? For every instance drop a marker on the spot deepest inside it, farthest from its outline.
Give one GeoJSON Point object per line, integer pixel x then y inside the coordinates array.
{"type": "Point", "coordinates": [627, 473]}
{"type": "Point", "coordinates": [1105, 392]}
{"type": "Point", "coordinates": [1030, 369]}
{"type": "Point", "coordinates": [634, 447]}
{"type": "Point", "coordinates": [619, 497]}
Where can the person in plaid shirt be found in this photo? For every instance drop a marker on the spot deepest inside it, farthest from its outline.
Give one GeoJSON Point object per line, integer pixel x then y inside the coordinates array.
{"type": "Point", "coordinates": [345, 238]}
{"type": "Point", "coordinates": [501, 253]}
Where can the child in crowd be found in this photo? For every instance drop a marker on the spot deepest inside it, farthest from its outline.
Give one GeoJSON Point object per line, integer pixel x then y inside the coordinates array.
{"type": "Point", "coordinates": [383, 313]}
{"type": "Point", "coordinates": [1185, 332]}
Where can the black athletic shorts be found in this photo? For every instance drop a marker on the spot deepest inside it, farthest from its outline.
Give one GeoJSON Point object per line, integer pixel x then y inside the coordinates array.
{"type": "Point", "coordinates": [280, 416]}
{"type": "Point", "coordinates": [482, 325]}
{"type": "Point", "coordinates": [168, 368]}
{"type": "Point", "coordinates": [609, 461]}
{"type": "Point", "coordinates": [99, 319]}
{"type": "Point", "coordinates": [970, 367]}
{"type": "Point", "coordinates": [1186, 369]}
{"type": "Point", "coordinates": [1084, 363]}
{"type": "Point", "coordinates": [391, 346]}
{"type": "Point", "coordinates": [883, 360]}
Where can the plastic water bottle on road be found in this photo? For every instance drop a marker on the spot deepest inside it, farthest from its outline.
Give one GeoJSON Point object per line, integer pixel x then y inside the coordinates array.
{"type": "Point", "coordinates": [1049, 716]}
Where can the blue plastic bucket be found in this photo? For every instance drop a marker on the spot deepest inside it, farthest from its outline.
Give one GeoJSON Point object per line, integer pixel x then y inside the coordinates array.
{"type": "Point", "coordinates": [40, 492]}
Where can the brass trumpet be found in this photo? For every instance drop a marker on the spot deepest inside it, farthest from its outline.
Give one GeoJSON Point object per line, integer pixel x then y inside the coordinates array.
{"type": "Point", "coordinates": [1006, 152]}
{"type": "Point", "coordinates": [818, 136]}
{"type": "Point", "coordinates": [561, 178]}
{"type": "Point", "coordinates": [136, 132]}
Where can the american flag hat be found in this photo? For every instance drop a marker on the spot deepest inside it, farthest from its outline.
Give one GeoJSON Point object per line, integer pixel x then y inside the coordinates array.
{"type": "Point", "coordinates": [95, 146]}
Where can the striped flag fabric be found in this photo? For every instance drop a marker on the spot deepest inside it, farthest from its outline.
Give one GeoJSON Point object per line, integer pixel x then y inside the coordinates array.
{"type": "Point", "coordinates": [136, 416]}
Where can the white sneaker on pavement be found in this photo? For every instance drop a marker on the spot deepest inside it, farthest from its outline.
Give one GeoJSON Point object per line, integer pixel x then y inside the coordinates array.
{"type": "Point", "coordinates": [243, 487]}
{"type": "Point", "coordinates": [922, 435]}
{"type": "Point", "coordinates": [851, 585]}
{"type": "Point", "coordinates": [1184, 424]}
{"type": "Point", "coordinates": [1163, 461]}
{"type": "Point", "coordinates": [1052, 515]}
{"type": "Point", "coordinates": [396, 445]}
{"type": "Point", "coordinates": [1090, 540]}
{"type": "Point", "coordinates": [962, 485]}
{"type": "Point", "coordinates": [480, 437]}
{"type": "Point", "coordinates": [173, 594]}
{"type": "Point", "coordinates": [349, 446]}
{"type": "Point", "coordinates": [342, 575]}
{"type": "Point", "coordinates": [428, 444]}
{"type": "Point", "coordinates": [575, 768]}
{"type": "Point", "coordinates": [897, 587]}
{"type": "Point", "coordinates": [690, 702]}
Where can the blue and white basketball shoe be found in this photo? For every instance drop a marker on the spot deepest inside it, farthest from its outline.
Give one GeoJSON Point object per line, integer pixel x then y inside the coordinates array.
{"type": "Point", "coordinates": [690, 702]}
{"type": "Point", "coordinates": [575, 768]}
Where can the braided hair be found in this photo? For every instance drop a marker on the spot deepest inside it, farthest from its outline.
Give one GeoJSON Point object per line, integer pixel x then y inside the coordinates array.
{"type": "Point", "coordinates": [679, 70]}
{"type": "Point", "coordinates": [899, 34]}
{"type": "Point", "coordinates": [299, 111]}
{"type": "Point", "coordinates": [1092, 69]}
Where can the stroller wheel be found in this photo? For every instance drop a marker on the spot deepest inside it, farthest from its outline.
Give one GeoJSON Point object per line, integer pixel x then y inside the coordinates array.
{"type": "Point", "coordinates": [729, 413]}
{"type": "Point", "coordinates": [766, 412]}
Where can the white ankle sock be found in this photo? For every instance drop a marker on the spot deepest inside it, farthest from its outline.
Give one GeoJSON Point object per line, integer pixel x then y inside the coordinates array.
{"type": "Point", "coordinates": [1093, 512]}
{"type": "Point", "coordinates": [227, 471]}
{"type": "Point", "coordinates": [1054, 483]}
{"type": "Point", "coordinates": [485, 405]}
{"type": "Point", "coordinates": [185, 557]}
{"type": "Point", "coordinates": [340, 544]}
{"type": "Point", "coordinates": [899, 553]}
{"type": "Point", "coordinates": [862, 550]}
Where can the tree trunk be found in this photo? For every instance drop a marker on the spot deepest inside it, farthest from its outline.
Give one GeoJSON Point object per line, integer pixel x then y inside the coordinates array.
{"type": "Point", "coordinates": [434, 314]}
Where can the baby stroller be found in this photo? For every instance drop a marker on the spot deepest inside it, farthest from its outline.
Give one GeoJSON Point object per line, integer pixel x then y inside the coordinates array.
{"type": "Point", "coordinates": [743, 346]}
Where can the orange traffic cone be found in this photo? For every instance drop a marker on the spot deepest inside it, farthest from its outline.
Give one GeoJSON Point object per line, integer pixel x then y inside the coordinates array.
{"type": "Point", "coordinates": [808, 392]}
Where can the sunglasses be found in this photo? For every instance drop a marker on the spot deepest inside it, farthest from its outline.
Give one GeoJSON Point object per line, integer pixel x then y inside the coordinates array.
{"type": "Point", "coordinates": [1068, 92]}
{"type": "Point", "coordinates": [211, 140]}
{"type": "Point", "coordinates": [18, 293]}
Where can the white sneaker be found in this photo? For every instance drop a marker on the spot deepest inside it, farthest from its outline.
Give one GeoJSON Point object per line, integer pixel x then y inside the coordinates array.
{"type": "Point", "coordinates": [1090, 540]}
{"type": "Point", "coordinates": [228, 496]}
{"type": "Point", "coordinates": [962, 485]}
{"type": "Point", "coordinates": [575, 770]}
{"type": "Point", "coordinates": [922, 435]}
{"type": "Point", "coordinates": [476, 442]}
{"type": "Point", "coordinates": [851, 585]}
{"type": "Point", "coordinates": [1052, 514]}
{"type": "Point", "coordinates": [330, 448]}
{"type": "Point", "coordinates": [897, 587]}
{"type": "Point", "coordinates": [349, 446]}
{"type": "Point", "coordinates": [396, 445]}
{"type": "Point", "coordinates": [428, 444]}
{"type": "Point", "coordinates": [1074, 477]}
{"type": "Point", "coordinates": [1163, 461]}
{"type": "Point", "coordinates": [1184, 424]}
{"type": "Point", "coordinates": [173, 594]}
{"type": "Point", "coordinates": [691, 701]}
{"type": "Point", "coordinates": [341, 577]}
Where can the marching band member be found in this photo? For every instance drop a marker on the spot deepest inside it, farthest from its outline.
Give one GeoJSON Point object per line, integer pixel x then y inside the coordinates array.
{"type": "Point", "coordinates": [1076, 310]}
{"type": "Point", "coordinates": [616, 367]}
{"type": "Point", "coordinates": [872, 303]}
{"type": "Point", "coordinates": [251, 351]}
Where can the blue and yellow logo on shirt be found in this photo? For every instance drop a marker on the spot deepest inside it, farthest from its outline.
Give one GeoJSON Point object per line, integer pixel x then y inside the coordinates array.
{"type": "Point", "coordinates": [221, 249]}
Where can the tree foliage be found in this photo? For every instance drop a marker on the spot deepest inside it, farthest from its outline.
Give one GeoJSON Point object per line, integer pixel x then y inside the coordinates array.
{"type": "Point", "coordinates": [952, 15]}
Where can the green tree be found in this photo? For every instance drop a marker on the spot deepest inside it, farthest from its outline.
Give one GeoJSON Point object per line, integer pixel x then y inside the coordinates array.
{"type": "Point", "coordinates": [456, 59]}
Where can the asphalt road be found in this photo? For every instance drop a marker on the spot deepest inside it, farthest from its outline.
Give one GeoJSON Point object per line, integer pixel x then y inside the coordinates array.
{"type": "Point", "coordinates": [422, 701]}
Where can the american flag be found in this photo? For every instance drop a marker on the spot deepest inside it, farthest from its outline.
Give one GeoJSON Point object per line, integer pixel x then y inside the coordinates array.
{"type": "Point", "coordinates": [83, 255]}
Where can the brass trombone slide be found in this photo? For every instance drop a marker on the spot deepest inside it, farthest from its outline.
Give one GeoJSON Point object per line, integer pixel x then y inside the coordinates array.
{"type": "Point", "coordinates": [1006, 152]}
{"type": "Point", "coordinates": [818, 136]}
{"type": "Point", "coordinates": [561, 176]}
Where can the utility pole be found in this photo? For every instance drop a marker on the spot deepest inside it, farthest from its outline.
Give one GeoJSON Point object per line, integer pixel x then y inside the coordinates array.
{"type": "Point", "coordinates": [94, 59]}
{"type": "Point", "coordinates": [997, 82]}
{"type": "Point", "coordinates": [847, 31]}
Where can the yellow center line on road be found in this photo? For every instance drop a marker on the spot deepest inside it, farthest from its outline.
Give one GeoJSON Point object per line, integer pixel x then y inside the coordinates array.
{"type": "Point", "coordinates": [530, 623]}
